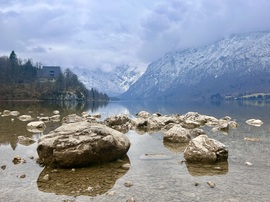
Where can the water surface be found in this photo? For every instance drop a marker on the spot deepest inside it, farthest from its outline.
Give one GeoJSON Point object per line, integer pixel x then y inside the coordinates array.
{"type": "Point", "coordinates": [157, 179]}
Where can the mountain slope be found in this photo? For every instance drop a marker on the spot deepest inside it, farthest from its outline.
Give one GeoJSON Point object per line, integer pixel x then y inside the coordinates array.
{"type": "Point", "coordinates": [112, 83]}
{"type": "Point", "coordinates": [238, 64]}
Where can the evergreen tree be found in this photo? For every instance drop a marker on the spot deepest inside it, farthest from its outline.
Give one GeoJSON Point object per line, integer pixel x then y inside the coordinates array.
{"type": "Point", "coordinates": [13, 58]}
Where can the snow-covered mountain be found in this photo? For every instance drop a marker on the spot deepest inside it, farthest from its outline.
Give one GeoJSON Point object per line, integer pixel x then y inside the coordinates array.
{"type": "Point", "coordinates": [112, 83]}
{"type": "Point", "coordinates": [237, 64]}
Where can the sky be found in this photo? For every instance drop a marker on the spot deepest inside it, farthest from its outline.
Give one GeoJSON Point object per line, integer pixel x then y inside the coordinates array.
{"type": "Point", "coordinates": [107, 33]}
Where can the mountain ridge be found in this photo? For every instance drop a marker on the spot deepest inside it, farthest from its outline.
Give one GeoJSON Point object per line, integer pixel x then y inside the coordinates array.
{"type": "Point", "coordinates": [113, 83]}
{"type": "Point", "coordinates": [235, 64]}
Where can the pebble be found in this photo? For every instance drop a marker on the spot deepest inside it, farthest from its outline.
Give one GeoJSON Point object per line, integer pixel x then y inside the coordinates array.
{"type": "Point", "coordinates": [217, 168]}
{"type": "Point", "coordinates": [126, 166]}
{"type": "Point", "coordinates": [211, 184]}
{"type": "Point", "coordinates": [3, 167]}
{"type": "Point", "coordinates": [90, 189]}
{"type": "Point", "coordinates": [196, 184]}
{"type": "Point", "coordinates": [128, 184]}
{"type": "Point", "coordinates": [248, 164]}
{"type": "Point", "coordinates": [56, 112]}
{"type": "Point", "coordinates": [111, 193]}
{"type": "Point", "coordinates": [18, 159]}
{"type": "Point", "coordinates": [46, 177]}
{"type": "Point", "coordinates": [23, 176]}
{"type": "Point", "coordinates": [130, 200]}
{"type": "Point", "coordinates": [73, 170]}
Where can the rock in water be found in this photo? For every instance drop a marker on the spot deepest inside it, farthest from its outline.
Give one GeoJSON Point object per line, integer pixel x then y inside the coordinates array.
{"type": "Point", "coordinates": [205, 150]}
{"type": "Point", "coordinates": [81, 144]}
{"type": "Point", "coordinates": [177, 134]}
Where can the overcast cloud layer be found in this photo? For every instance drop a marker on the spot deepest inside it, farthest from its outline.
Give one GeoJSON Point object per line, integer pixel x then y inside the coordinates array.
{"type": "Point", "coordinates": [105, 33]}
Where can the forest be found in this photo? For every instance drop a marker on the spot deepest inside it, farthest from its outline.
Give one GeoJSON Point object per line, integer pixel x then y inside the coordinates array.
{"type": "Point", "coordinates": [19, 81]}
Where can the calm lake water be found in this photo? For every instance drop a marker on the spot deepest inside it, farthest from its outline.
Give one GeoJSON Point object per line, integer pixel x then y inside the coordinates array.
{"type": "Point", "coordinates": [153, 180]}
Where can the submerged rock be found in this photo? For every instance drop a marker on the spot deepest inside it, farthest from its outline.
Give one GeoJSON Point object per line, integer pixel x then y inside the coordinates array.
{"type": "Point", "coordinates": [205, 150]}
{"type": "Point", "coordinates": [25, 140]}
{"type": "Point", "coordinates": [81, 144]}
{"type": "Point", "coordinates": [253, 139]}
{"type": "Point", "coordinates": [88, 181]}
{"type": "Point", "coordinates": [204, 169]}
{"type": "Point", "coordinates": [154, 156]}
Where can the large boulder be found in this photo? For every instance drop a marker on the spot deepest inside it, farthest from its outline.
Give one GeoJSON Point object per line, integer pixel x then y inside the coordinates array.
{"type": "Point", "coordinates": [81, 144]}
{"type": "Point", "coordinates": [205, 150]}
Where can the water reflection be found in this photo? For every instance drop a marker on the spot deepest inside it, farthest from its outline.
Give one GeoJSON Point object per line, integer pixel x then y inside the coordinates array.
{"type": "Point", "coordinates": [220, 168]}
{"type": "Point", "coordinates": [89, 181]}
{"type": "Point", "coordinates": [11, 126]}
{"type": "Point", "coordinates": [175, 147]}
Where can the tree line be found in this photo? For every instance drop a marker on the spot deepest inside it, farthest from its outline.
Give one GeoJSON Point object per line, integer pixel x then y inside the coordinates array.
{"type": "Point", "coordinates": [19, 81]}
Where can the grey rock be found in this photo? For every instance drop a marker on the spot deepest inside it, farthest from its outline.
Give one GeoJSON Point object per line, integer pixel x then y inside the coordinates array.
{"type": "Point", "coordinates": [177, 134]}
{"type": "Point", "coordinates": [128, 184]}
{"type": "Point", "coordinates": [205, 150]}
{"type": "Point", "coordinates": [81, 144]}
{"type": "Point", "coordinates": [25, 118]}
{"type": "Point", "coordinates": [40, 125]}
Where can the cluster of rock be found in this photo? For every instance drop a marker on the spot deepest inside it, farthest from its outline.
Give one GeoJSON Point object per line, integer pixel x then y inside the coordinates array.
{"type": "Point", "coordinates": [181, 129]}
{"type": "Point", "coordinates": [85, 140]}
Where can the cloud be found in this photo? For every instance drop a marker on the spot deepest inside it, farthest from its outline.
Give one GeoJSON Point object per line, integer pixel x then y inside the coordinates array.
{"type": "Point", "coordinates": [104, 34]}
{"type": "Point", "coordinates": [174, 25]}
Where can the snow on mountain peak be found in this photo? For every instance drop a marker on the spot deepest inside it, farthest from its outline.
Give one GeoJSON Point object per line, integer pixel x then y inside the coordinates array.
{"type": "Point", "coordinates": [112, 83]}
{"type": "Point", "coordinates": [227, 66]}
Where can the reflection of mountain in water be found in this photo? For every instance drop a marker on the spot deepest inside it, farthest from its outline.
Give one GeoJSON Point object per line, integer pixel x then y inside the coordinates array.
{"type": "Point", "coordinates": [89, 181]}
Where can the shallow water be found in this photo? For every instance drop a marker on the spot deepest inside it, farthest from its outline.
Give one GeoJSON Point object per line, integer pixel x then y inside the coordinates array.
{"type": "Point", "coordinates": [161, 177]}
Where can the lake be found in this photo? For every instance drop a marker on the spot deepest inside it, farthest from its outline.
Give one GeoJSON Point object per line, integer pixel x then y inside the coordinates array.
{"type": "Point", "coordinates": [160, 179]}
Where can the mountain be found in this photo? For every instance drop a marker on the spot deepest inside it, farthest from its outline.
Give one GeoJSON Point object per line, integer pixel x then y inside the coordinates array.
{"type": "Point", "coordinates": [112, 83]}
{"type": "Point", "coordinates": [233, 65]}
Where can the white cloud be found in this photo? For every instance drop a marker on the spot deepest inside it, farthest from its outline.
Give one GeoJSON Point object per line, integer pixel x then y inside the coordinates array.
{"type": "Point", "coordinates": [104, 33]}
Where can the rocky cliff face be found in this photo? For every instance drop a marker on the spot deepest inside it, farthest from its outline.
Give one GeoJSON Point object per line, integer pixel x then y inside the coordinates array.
{"type": "Point", "coordinates": [237, 64]}
{"type": "Point", "coordinates": [112, 83]}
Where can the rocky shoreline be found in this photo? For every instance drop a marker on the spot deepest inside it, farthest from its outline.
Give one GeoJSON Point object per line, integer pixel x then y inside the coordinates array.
{"type": "Point", "coordinates": [86, 140]}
